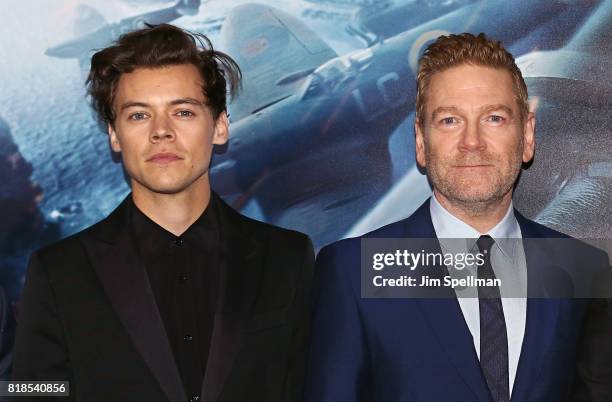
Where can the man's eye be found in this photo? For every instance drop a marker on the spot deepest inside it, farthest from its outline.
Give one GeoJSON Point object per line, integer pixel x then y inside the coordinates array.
{"type": "Point", "coordinates": [495, 119]}
{"type": "Point", "coordinates": [448, 121]}
{"type": "Point", "coordinates": [185, 113]}
{"type": "Point", "coordinates": [137, 116]}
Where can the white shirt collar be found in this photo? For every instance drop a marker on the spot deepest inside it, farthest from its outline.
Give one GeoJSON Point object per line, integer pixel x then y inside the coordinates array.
{"type": "Point", "coordinates": [448, 226]}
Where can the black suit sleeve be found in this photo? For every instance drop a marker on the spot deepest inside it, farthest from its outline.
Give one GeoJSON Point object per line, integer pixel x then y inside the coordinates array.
{"type": "Point", "coordinates": [7, 328]}
{"type": "Point", "coordinates": [40, 352]}
{"type": "Point", "coordinates": [301, 335]}
{"type": "Point", "coordinates": [594, 361]}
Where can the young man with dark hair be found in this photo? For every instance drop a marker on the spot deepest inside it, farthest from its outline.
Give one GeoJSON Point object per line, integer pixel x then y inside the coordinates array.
{"type": "Point", "coordinates": [174, 296]}
{"type": "Point", "coordinates": [526, 342]}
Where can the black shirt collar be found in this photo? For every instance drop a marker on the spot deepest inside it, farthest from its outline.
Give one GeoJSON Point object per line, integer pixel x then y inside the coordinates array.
{"type": "Point", "coordinates": [151, 237]}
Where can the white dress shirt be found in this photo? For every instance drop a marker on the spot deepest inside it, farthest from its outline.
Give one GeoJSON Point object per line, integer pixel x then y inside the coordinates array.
{"type": "Point", "coordinates": [509, 264]}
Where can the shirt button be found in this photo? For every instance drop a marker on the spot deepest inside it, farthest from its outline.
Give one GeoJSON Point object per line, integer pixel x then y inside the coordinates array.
{"type": "Point", "coordinates": [178, 242]}
{"type": "Point", "coordinates": [183, 278]}
{"type": "Point", "coordinates": [188, 338]}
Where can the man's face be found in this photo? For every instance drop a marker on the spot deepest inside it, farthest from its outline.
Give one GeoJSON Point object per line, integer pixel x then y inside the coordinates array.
{"type": "Point", "coordinates": [164, 130]}
{"type": "Point", "coordinates": [471, 140]}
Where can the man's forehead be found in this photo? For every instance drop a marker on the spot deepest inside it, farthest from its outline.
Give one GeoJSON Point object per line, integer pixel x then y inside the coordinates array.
{"type": "Point", "coordinates": [185, 69]}
{"type": "Point", "coordinates": [471, 79]}
{"type": "Point", "coordinates": [172, 82]}
{"type": "Point", "coordinates": [471, 87]}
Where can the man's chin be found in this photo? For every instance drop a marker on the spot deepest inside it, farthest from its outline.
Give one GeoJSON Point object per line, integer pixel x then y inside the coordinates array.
{"type": "Point", "coordinates": [165, 188]}
{"type": "Point", "coordinates": [168, 184]}
{"type": "Point", "coordinates": [472, 195]}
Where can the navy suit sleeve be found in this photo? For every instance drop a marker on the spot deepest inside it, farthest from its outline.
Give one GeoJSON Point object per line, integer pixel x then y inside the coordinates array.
{"type": "Point", "coordinates": [338, 368]}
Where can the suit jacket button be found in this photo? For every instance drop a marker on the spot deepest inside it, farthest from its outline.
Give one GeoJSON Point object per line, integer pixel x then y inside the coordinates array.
{"type": "Point", "coordinates": [188, 338]}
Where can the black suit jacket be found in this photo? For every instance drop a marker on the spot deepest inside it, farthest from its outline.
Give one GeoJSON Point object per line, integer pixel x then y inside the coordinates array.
{"type": "Point", "coordinates": [88, 315]}
{"type": "Point", "coordinates": [6, 334]}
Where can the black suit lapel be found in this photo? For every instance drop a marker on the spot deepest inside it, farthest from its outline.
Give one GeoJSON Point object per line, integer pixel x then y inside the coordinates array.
{"type": "Point", "coordinates": [242, 259]}
{"type": "Point", "coordinates": [114, 258]}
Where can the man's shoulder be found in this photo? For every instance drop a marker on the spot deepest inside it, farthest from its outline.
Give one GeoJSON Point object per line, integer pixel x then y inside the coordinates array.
{"type": "Point", "coordinates": [71, 248]}
{"type": "Point", "coordinates": [64, 250]}
{"type": "Point", "coordinates": [275, 234]}
{"type": "Point", "coordinates": [567, 251]}
{"type": "Point", "coordinates": [533, 229]}
{"type": "Point", "coordinates": [278, 232]}
{"type": "Point", "coordinates": [288, 254]}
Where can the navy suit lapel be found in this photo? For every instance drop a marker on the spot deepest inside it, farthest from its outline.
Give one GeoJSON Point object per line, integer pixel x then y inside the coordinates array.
{"type": "Point", "coordinates": [445, 318]}
{"type": "Point", "coordinates": [242, 261]}
{"type": "Point", "coordinates": [113, 255]}
{"type": "Point", "coordinates": [542, 313]}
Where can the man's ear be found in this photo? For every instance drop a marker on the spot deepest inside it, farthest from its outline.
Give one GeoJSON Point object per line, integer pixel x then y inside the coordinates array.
{"type": "Point", "coordinates": [112, 137]}
{"type": "Point", "coordinates": [529, 137]}
{"type": "Point", "coordinates": [221, 133]}
{"type": "Point", "coordinates": [419, 143]}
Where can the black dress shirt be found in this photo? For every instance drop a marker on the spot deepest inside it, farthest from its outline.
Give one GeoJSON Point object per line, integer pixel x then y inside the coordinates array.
{"type": "Point", "coordinates": [183, 272]}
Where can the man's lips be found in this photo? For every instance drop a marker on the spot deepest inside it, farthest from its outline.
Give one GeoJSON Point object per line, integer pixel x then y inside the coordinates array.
{"type": "Point", "coordinates": [164, 157]}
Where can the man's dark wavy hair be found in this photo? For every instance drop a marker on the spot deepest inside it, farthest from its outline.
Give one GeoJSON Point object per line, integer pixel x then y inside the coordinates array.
{"type": "Point", "coordinates": [160, 46]}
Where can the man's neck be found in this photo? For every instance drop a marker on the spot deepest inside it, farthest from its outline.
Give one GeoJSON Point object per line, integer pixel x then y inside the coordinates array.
{"type": "Point", "coordinates": [481, 216]}
{"type": "Point", "coordinates": [173, 212]}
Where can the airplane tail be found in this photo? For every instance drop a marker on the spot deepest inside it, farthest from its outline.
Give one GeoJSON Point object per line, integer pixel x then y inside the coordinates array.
{"type": "Point", "coordinates": [275, 51]}
{"type": "Point", "coordinates": [595, 36]}
{"type": "Point", "coordinates": [188, 7]}
{"type": "Point", "coordinates": [88, 20]}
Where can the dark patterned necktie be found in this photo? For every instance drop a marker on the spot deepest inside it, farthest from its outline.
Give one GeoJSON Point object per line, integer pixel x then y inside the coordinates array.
{"type": "Point", "coordinates": [493, 335]}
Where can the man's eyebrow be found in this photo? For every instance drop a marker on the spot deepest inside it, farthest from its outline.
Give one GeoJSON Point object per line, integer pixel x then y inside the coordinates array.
{"type": "Point", "coordinates": [191, 101]}
{"type": "Point", "coordinates": [484, 109]}
{"type": "Point", "coordinates": [130, 104]}
{"type": "Point", "coordinates": [490, 108]}
{"type": "Point", "coordinates": [174, 102]}
{"type": "Point", "coordinates": [442, 109]}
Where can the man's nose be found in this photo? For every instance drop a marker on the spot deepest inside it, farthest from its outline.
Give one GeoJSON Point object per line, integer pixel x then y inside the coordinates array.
{"type": "Point", "coordinates": [162, 129]}
{"type": "Point", "coordinates": [472, 138]}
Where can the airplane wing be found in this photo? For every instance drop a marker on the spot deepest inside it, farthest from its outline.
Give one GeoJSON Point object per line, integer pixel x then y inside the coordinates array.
{"type": "Point", "coordinates": [274, 50]}
{"type": "Point", "coordinates": [376, 23]}
{"type": "Point", "coordinates": [82, 46]}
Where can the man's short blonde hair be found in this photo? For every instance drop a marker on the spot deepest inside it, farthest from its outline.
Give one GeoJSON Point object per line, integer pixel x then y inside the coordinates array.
{"type": "Point", "coordinates": [454, 50]}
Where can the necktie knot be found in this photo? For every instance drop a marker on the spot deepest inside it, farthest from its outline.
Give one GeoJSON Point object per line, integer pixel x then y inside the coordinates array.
{"type": "Point", "coordinates": [484, 243]}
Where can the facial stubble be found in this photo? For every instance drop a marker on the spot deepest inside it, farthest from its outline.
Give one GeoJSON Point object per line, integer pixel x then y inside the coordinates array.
{"type": "Point", "coordinates": [463, 191]}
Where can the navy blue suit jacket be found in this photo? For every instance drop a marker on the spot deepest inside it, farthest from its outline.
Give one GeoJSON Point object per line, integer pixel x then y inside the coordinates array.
{"type": "Point", "coordinates": [400, 350]}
